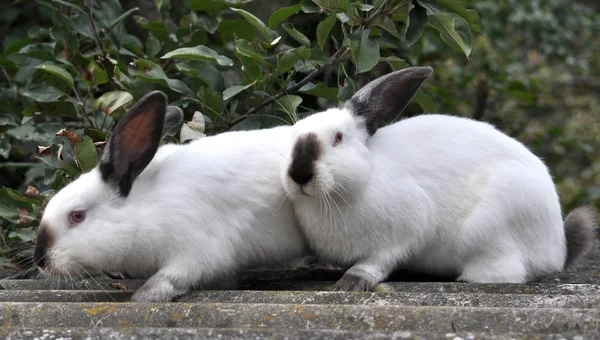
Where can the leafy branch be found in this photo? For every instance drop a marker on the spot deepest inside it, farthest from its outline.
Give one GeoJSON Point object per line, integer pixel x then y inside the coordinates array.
{"type": "Point", "coordinates": [335, 58]}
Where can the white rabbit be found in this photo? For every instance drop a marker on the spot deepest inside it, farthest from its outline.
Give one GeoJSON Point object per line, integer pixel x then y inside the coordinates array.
{"type": "Point", "coordinates": [438, 194]}
{"type": "Point", "coordinates": [185, 216]}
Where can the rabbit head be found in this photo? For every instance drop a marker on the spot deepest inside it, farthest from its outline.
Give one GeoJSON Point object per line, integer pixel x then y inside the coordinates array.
{"type": "Point", "coordinates": [87, 226]}
{"type": "Point", "coordinates": [330, 153]}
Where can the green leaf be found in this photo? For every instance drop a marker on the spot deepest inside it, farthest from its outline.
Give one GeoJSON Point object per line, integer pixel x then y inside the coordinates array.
{"type": "Point", "coordinates": [203, 71]}
{"type": "Point", "coordinates": [286, 62]}
{"type": "Point", "coordinates": [289, 105]}
{"type": "Point", "coordinates": [56, 108]}
{"type": "Point", "coordinates": [347, 91]}
{"type": "Point", "coordinates": [269, 34]}
{"type": "Point", "coordinates": [42, 51]}
{"type": "Point", "coordinates": [211, 98]}
{"type": "Point", "coordinates": [309, 7]}
{"type": "Point", "coordinates": [299, 37]}
{"type": "Point", "coordinates": [365, 50]}
{"type": "Point", "coordinates": [320, 90]}
{"type": "Point", "coordinates": [123, 17]}
{"type": "Point", "coordinates": [425, 102]}
{"type": "Point", "coordinates": [387, 24]}
{"type": "Point", "coordinates": [208, 23]}
{"type": "Point", "coordinates": [235, 90]}
{"type": "Point", "coordinates": [200, 53]}
{"type": "Point", "coordinates": [252, 50]}
{"type": "Point", "coordinates": [470, 15]}
{"type": "Point", "coordinates": [445, 24]}
{"type": "Point", "coordinates": [10, 201]}
{"type": "Point", "coordinates": [86, 155]}
{"type": "Point", "coordinates": [95, 135]}
{"type": "Point", "coordinates": [114, 103]}
{"type": "Point", "coordinates": [396, 63]}
{"type": "Point", "coordinates": [400, 11]}
{"type": "Point", "coordinates": [44, 94]}
{"type": "Point", "coordinates": [215, 6]}
{"type": "Point", "coordinates": [158, 28]}
{"type": "Point", "coordinates": [153, 46]}
{"type": "Point", "coordinates": [240, 28]}
{"type": "Point", "coordinates": [333, 5]}
{"type": "Point", "coordinates": [323, 30]}
{"type": "Point", "coordinates": [418, 18]}
{"type": "Point", "coordinates": [71, 5]}
{"type": "Point", "coordinates": [154, 73]}
{"type": "Point", "coordinates": [23, 234]}
{"type": "Point", "coordinates": [96, 74]}
{"type": "Point", "coordinates": [282, 14]}
{"type": "Point", "coordinates": [58, 71]}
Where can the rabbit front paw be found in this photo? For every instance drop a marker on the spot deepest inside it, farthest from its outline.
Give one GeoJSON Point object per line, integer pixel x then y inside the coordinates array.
{"type": "Point", "coordinates": [157, 289]}
{"type": "Point", "coordinates": [354, 283]}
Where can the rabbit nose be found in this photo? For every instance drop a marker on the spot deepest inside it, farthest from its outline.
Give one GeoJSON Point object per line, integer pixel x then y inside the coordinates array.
{"type": "Point", "coordinates": [43, 239]}
{"type": "Point", "coordinates": [301, 175]}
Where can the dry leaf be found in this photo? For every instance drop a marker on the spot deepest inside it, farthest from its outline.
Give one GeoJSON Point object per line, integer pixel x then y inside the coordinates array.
{"type": "Point", "coordinates": [72, 136]}
{"type": "Point", "coordinates": [32, 192]}
{"type": "Point", "coordinates": [24, 216]}
{"type": "Point", "coordinates": [44, 151]}
{"type": "Point", "coordinates": [118, 285]}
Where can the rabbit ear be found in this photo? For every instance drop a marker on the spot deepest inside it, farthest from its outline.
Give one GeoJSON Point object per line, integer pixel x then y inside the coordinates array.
{"type": "Point", "coordinates": [134, 142]}
{"type": "Point", "coordinates": [173, 116]}
{"type": "Point", "coordinates": [381, 100]}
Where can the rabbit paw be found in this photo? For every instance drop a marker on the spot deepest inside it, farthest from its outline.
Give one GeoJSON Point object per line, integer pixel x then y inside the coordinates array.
{"type": "Point", "coordinates": [156, 289]}
{"type": "Point", "coordinates": [354, 283]}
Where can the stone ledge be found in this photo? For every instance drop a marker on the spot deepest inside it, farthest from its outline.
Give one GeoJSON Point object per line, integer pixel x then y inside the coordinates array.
{"type": "Point", "coordinates": [288, 316]}
{"type": "Point", "coordinates": [257, 334]}
{"type": "Point", "coordinates": [327, 298]}
{"type": "Point", "coordinates": [421, 287]}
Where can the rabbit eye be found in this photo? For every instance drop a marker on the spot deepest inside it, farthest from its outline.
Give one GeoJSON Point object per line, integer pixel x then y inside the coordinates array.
{"type": "Point", "coordinates": [76, 217]}
{"type": "Point", "coordinates": [338, 139]}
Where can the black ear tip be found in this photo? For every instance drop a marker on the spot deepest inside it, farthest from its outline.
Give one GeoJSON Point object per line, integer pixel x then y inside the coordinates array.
{"type": "Point", "coordinates": [157, 97]}
{"type": "Point", "coordinates": [422, 71]}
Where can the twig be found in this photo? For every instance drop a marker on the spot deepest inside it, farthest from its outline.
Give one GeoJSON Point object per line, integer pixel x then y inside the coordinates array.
{"type": "Point", "coordinates": [16, 165]}
{"type": "Point", "coordinates": [335, 58]}
{"type": "Point", "coordinates": [483, 90]}
{"type": "Point", "coordinates": [108, 68]}
{"type": "Point", "coordinates": [82, 107]}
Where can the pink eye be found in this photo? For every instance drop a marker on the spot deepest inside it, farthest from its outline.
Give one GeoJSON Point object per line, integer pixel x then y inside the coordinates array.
{"type": "Point", "coordinates": [338, 139]}
{"type": "Point", "coordinates": [76, 217]}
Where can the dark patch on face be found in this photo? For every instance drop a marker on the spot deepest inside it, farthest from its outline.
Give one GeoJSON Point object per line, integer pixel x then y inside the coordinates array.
{"type": "Point", "coordinates": [43, 241]}
{"type": "Point", "coordinates": [304, 155]}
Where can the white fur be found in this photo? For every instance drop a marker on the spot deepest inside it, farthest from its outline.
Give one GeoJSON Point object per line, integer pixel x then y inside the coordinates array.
{"type": "Point", "coordinates": [434, 193]}
{"type": "Point", "coordinates": [198, 212]}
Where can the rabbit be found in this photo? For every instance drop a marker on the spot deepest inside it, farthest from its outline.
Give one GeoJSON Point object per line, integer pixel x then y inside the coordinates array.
{"type": "Point", "coordinates": [436, 194]}
{"type": "Point", "coordinates": [182, 216]}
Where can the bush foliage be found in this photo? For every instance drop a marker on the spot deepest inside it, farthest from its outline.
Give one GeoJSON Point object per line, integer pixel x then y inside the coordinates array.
{"type": "Point", "coordinates": [71, 68]}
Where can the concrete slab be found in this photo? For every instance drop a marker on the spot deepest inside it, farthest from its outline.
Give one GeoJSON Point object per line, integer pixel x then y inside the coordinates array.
{"type": "Point", "coordinates": [288, 316]}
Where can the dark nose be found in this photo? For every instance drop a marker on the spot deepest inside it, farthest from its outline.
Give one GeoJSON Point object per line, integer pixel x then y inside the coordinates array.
{"type": "Point", "coordinates": [41, 247]}
{"type": "Point", "coordinates": [301, 174]}
{"type": "Point", "coordinates": [304, 155]}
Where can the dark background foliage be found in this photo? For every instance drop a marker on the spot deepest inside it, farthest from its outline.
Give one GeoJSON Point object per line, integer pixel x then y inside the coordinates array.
{"type": "Point", "coordinates": [71, 68]}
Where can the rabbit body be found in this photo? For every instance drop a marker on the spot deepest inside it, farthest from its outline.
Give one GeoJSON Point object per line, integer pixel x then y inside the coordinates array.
{"type": "Point", "coordinates": [197, 213]}
{"type": "Point", "coordinates": [435, 193]}
{"type": "Point", "coordinates": [444, 195]}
